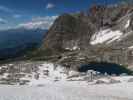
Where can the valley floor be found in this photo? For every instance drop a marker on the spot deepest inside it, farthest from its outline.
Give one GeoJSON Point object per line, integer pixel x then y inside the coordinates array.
{"type": "Point", "coordinates": [65, 90]}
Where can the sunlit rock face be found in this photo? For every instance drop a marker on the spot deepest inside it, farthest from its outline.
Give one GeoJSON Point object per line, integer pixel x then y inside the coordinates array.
{"type": "Point", "coordinates": [102, 34]}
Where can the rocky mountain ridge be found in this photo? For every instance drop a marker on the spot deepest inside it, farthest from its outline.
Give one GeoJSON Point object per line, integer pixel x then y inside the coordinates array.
{"type": "Point", "coordinates": [103, 34]}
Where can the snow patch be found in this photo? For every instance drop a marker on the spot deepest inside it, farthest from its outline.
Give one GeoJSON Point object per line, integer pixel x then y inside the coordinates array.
{"type": "Point", "coordinates": [5, 75]}
{"type": "Point", "coordinates": [105, 35]}
{"type": "Point", "coordinates": [127, 24]}
{"type": "Point", "coordinates": [47, 73]}
{"type": "Point", "coordinates": [73, 48]}
{"type": "Point", "coordinates": [131, 47]}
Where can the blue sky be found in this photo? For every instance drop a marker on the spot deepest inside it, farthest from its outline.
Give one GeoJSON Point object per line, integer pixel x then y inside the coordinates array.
{"type": "Point", "coordinates": [16, 13]}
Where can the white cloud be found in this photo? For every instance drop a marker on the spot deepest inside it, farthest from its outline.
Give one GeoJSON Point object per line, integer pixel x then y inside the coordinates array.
{"type": "Point", "coordinates": [5, 9]}
{"type": "Point", "coordinates": [2, 21]}
{"type": "Point", "coordinates": [50, 6]}
{"type": "Point", "coordinates": [39, 22]}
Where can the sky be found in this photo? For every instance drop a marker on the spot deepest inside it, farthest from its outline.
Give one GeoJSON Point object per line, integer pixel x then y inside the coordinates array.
{"type": "Point", "coordinates": [39, 13]}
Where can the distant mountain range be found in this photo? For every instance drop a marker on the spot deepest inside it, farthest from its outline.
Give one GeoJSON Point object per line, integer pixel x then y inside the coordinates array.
{"type": "Point", "coordinates": [15, 42]}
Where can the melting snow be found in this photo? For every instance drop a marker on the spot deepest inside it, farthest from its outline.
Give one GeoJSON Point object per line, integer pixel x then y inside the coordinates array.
{"type": "Point", "coordinates": [131, 47]}
{"type": "Point", "coordinates": [5, 75]}
{"type": "Point", "coordinates": [73, 48]}
{"type": "Point", "coordinates": [48, 72]}
{"type": "Point", "coordinates": [127, 24]}
{"type": "Point", "coordinates": [105, 35]}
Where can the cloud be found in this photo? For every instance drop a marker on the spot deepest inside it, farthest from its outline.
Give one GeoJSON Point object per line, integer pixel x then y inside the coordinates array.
{"type": "Point", "coordinates": [5, 9]}
{"type": "Point", "coordinates": [39, 22]}
{"type": "Point", "coordinates": [2, 21]}
{"type": "Point", "coordinates": [50, 6]}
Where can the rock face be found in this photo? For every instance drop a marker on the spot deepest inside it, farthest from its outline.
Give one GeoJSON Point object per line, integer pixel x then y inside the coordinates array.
{"type": "Point", "coordinates": [102, 34]}
{"type": "Point", "coordinates": [65, 33]}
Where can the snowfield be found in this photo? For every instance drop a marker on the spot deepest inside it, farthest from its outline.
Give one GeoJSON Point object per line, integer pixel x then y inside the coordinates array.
{"type": "Point", "coordinates": [106, 35]}
{"type": "Point", "coordinates": [68, 91]}
{"type": "Point", "coordinates": [47, 81]}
